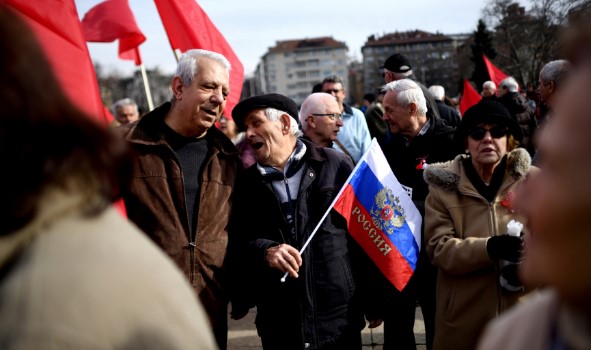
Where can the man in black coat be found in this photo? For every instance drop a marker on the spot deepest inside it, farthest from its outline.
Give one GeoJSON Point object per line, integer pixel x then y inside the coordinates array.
{"type": "Point", "coordinates": [279, 202]}
{"type": "Point", "coordinates": [417, 141]}
{"type": "Point", "coordinates": [447, 113]}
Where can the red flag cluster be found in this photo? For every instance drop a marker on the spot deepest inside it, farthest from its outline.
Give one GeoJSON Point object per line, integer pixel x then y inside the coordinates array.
{"type": "Point", "coordinates": [58, 30]}
{"type": "Point", "coordinates": [189, 27]}
{"type": "Point", "coordinates": [111, 20]}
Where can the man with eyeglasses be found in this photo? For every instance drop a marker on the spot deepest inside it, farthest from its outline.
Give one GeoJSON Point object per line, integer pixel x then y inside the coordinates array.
{"type": "Point", "coordinates": [417, 141]}
{"type": "Point", "coordinates": [353, 138]}
{"type": "Point", "coordinates": [321, 119]}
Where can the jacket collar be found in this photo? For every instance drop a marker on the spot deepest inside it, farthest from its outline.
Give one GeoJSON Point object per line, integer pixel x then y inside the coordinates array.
{"type": "Point", "coordinates": [449, 176]}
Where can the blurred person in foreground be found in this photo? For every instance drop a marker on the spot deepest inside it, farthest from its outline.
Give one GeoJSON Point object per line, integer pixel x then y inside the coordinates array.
{"type": "Point", "coordinates": [126, 111]}
{"type": "Point", "coordinates": [74, 274]}
{"type": "Point", "coordinates": [321, 119]}
{"type": "Point", "coordinates": [466, 216]}
{"type": "Point", "coordinates": [557, 203]}
{"type": "Point", "coordinates": [183, 179]}
{"type": "Point", "coordinates": [280, 201]}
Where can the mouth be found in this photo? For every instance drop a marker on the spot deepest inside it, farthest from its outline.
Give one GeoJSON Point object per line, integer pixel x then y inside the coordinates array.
{"type": "Point", "coordinates": [256, 145]}
{"type": "Point", "coordinates": [210, 112]}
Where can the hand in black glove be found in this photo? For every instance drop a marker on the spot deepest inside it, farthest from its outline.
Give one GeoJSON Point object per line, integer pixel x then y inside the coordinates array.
{"type": "Point", "coordinates": [504, 247]}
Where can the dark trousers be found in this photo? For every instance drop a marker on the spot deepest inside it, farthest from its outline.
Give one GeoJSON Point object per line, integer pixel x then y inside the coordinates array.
{"type": "Point", "coordinates": [349, 340]}
{"type": "Point", "coordinates": [400, 314]}
{"type": "Point", "coordinates": [220, 333]}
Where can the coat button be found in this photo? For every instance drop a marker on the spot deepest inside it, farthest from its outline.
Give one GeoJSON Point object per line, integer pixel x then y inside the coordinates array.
{"type": "Point", "coordinates": [307, 345]}
{"type": "Point", "coordinates": [311, 174]}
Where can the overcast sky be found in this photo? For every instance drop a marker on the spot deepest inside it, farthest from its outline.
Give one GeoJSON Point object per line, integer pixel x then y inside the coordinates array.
{"type": "Point", "coordinates": [251, 27]}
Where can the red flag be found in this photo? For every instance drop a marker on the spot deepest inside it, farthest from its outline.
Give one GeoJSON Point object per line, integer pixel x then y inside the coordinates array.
{"type": "Point", "coordinates": [57, 28]}
{"type": "Point", "coordinates": [111, 20]}
{"type": "Point", "coordinates": [470, 97]}
{"type": "Point", "coordinates": [189, 27]}
{"type": "Point", "coordinates": [496, 75]}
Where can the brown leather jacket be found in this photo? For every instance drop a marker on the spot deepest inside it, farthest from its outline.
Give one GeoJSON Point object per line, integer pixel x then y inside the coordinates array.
{"type": "Point", "coordinates": [155, 202]}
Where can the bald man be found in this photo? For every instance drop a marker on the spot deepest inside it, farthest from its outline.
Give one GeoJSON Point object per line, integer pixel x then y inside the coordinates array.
{"type": "Point", "coordinates": [321, 118]}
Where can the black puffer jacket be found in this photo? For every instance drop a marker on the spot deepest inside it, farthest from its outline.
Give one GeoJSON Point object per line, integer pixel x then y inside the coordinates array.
{"type": "Point", "coordinates": [525, 115]}
{"type": "Point", "coordinates": [326, 298]}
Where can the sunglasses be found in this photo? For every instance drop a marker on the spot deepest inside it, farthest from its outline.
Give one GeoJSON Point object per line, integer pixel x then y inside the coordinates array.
{"type": "Point", "coordinates": [332, 116]}
{"type": "Point", "coordinates": [496, 132]}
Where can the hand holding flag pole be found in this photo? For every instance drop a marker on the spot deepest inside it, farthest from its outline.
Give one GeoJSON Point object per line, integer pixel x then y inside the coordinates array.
{"type": "Point", "coordinates": [381, 217]}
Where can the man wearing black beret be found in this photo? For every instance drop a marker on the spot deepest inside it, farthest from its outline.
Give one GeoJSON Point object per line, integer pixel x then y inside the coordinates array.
{"type": "Point", "coordinates": [279, 202]}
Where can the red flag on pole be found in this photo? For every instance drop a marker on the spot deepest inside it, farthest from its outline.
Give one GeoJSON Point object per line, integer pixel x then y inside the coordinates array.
{"type": "Point", "coordinates": [496, 75]}
{"type": "Point", "coordinates": [57, 28]}
{"type": "Point", "coordinates": [111, 20]}
{"type": "Point", "coordinates": [470, 97]}
{"type": "Point", "coordinates": [189, 27]}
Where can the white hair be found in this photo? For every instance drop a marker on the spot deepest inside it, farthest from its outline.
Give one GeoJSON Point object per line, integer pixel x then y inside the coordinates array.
{"type": "Point", "coordinates": [407, 92]}
{"type": "Point", "coordinates": [275, 115]}
{"type": "Point", "coordinates": [489, 85]}
{"type": "Point", "coordinates": [510, 84]}
{"type": "Point", "coordinates": [188, 65]}
{"type": "Point", "coordinates": [437, 91]}
{"type": "Point", "coordinates": [122, 103]}
{"type": "Point", "coordinates": [554, 71]}
{"type": "Point", "coordinates": [399, 76]}
{"type": "Point", "coordinates": [314, 103]}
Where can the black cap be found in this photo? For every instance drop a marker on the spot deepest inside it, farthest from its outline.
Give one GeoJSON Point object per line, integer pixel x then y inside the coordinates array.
{"type": "Point", "coordinates": [491, 112]}
{"type": "Point", "coordinates": [397, 63]}
{"type": "Point", "coordinates": [276, 101]}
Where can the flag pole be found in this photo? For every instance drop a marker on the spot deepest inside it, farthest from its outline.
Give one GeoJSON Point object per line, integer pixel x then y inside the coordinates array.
{"type": "Point", "coordinates": [147, 87]}
{"type": "Point", "coordinates": [336, 198]}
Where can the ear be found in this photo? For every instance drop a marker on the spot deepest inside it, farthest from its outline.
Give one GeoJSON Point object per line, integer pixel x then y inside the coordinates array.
{"type": "Point", "coordinates": [177, 87]}
{"type": "Point", "coordinates": [311, 121]}
{"type": "Point", "coordinates": [552, 86]}
{"type": "Point", "coordinates": [285, 123]}
{"type": "Point", "coordinates": [412, 108]}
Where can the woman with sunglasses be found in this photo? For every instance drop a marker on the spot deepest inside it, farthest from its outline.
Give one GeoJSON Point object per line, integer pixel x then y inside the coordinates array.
{"type": "Point", "coordinates": [467, 212]}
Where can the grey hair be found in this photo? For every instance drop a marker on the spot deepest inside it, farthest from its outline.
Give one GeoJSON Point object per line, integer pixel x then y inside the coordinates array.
{"type": "Point", "coordinates": [275, 115]}
{"type": "Point", "coordinates": [489, 85]}
{"type": "Point", "coordinates": [188, 65]}
{"type": "Point", "coordinates": [437, 91]}
{"type": "Point", "coordinates": [314, 103]}
{"type": "Point", "coordinates": [510, 84]}
{"type": "Point", "coordinates": [408, 92]}
{"type": "Point", "coordinates": [124, 102]}
{"type": "Point", "coordinates": [555, 71]}
{"type": "Point", "coordinates": [335, 79]}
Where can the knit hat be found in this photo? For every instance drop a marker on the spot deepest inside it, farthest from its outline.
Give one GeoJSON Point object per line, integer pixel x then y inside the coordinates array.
{"type": "Point", "coordinates": [276, 101]}
{"type": "Point", "coordinates": [489, 112]}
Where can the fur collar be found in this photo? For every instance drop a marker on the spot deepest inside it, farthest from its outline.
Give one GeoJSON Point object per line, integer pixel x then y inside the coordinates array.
{"type": "Point", "coordinates": [447, 175]}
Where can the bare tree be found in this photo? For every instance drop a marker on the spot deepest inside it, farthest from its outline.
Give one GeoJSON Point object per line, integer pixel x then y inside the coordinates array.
{"type": "Point", "coordinates": [527, 39]}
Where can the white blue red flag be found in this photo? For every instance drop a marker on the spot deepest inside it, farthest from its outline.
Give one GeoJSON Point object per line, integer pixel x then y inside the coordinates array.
{"type": "Point", "coordinates": [381, 217]}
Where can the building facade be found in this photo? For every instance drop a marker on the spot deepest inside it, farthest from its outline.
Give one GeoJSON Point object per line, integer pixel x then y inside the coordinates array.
{"type": "Point", "coordinates": [433, 58]}
{"type": "Point", "coordinates": [293, 67]}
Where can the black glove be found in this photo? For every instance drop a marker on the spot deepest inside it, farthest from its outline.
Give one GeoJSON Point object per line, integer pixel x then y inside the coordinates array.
{"type": "Point", "coordinates": [509, 278]}
{"type": "Point", "coordinates": [504, 247]}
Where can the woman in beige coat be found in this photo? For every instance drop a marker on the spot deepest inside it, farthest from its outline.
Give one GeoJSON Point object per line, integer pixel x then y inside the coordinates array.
{"type": "Point", "coordinates": [467, 212]}
{"type": "Point", "coordinates": [74, 274]}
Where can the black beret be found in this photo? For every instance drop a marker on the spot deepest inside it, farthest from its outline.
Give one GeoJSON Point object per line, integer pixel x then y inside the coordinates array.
{"type": "Point", "coordinates": [276, 101]}
{"type": "Point", "coordinates": [397, 63]}
{"type": "Point", "coordinates": [490, 112]}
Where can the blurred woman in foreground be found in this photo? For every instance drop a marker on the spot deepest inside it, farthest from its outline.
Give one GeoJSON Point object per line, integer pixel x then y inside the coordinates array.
{"type": "Point", "coordinates": [73, 272]}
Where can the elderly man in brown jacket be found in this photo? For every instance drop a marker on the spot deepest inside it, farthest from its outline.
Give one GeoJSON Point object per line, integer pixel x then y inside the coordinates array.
{"type": "Point", "coordinates": [183, 180]}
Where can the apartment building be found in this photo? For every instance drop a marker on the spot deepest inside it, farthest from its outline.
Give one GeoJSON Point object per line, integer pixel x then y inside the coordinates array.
{"type": "Point", "coordinates": [293, 67]}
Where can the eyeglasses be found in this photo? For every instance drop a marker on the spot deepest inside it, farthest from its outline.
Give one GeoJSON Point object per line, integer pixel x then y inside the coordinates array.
{"type": "Point", "coordinates": [332, 91]}
{"type": "Point", "coordinates": [496, 132]}
{"type": "Point", "coordinates": [332, 116]}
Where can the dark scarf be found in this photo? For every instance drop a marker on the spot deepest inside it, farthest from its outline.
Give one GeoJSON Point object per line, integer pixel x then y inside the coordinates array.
{"type": "Point", "coordinates": [487, 191]}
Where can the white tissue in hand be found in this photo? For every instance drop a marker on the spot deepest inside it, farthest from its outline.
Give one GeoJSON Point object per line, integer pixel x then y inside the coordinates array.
{"type": "Point", "coordinates": [514, 228]}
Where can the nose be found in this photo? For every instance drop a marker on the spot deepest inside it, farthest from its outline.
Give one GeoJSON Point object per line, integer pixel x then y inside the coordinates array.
{"type": "Point", "coordinates": [218, 96]}
{"type": "Point", "coordinates": [339, 122]}
{"type": "Point", "coordinates": [487, 137]}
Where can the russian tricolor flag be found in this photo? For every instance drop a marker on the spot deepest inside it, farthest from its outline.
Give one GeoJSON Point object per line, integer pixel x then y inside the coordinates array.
{"type": "Point", "coordinates": [381, 217]}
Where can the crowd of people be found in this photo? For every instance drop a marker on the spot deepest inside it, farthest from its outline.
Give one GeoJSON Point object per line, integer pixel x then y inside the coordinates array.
{"type": "Point", "coordinates": [219, 208]}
